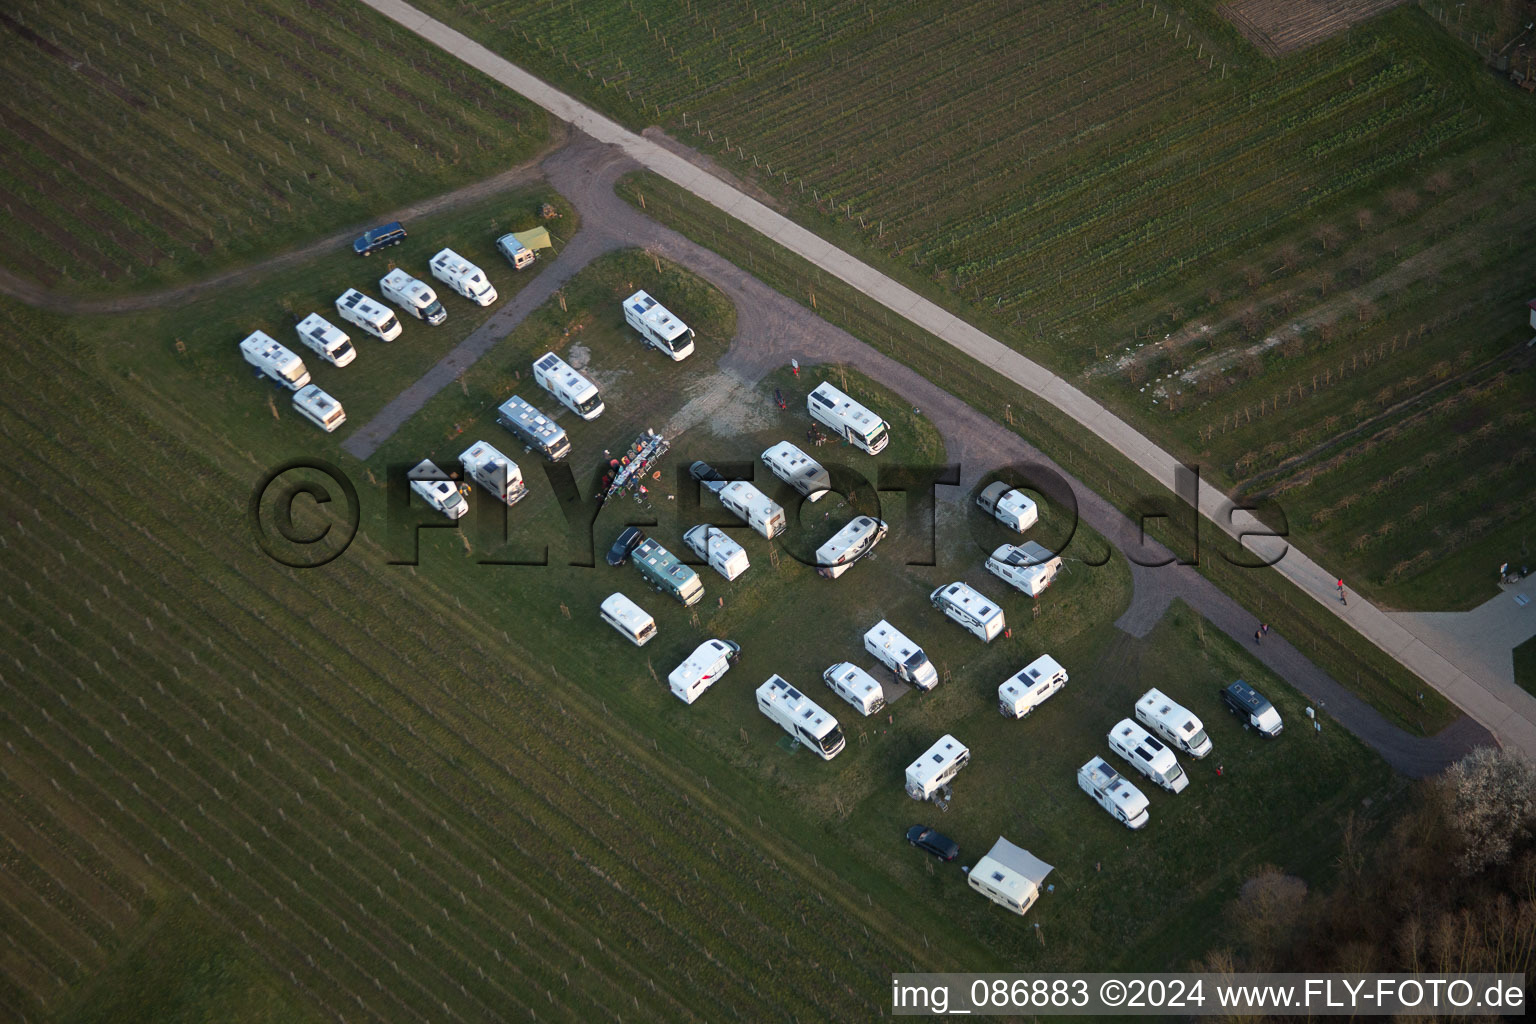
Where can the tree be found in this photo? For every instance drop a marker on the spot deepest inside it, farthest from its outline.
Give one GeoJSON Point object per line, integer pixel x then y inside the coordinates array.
{"type": "Point", "coordinates": [1491, 797]}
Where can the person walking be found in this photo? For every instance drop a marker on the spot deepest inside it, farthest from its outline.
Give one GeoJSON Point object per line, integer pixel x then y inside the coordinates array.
{"type": "Point", "coordinates": [1264, 628]}
{"type": "Point", "coordinates": [794, 368]}
{"type": "Point", "coordinates": [1258, 637]}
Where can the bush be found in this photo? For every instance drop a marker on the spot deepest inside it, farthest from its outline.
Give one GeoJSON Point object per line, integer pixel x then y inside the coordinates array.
{"type": "Point", "coordinates": [1491, 805]}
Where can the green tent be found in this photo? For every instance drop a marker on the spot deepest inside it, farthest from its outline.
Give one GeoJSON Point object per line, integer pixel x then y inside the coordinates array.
{"type": "Point", "coordinates": [535, 238]}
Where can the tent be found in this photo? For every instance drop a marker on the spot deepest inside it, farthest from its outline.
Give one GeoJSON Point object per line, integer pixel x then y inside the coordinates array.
{"type": "Point", "coordinates": [534, 238]}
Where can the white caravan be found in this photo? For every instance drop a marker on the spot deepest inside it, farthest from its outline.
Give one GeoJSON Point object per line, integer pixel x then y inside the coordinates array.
{"type": "Point", "coordinates": [980, 615]}
{"type": "Point", "coordinates": [1028, 688]}
{"type": "Point", "coordinates": [1147, 755]}
{"type": "Point", "coordinates": [855, 686]}
{"type": "Point", "coordinates": [848, 545]}
{"type": "Point", "coordinates": [517, 254]}
{"type": "Point", "coordinates": [939, 764]}
{"type": "Point", "coordinates": [1173, 723]}
{"type": "Point", "coordinates": [570, 388]}
{"type": "Point", "coordinates": [319, 408]}
{"type": "Point", "coordinates": [800, 716]}
{"type": "Point", "coordinates": [709, 661]}
{"type": "Point", "coordinates": [798, 469]}
{"type": "Point", "coordinates": [494, 471]}
{"type": "Point", "coordinates": [1028, 567]}
{"type": "Point", "coordinates": [1117, 796]}
{"type": "Point", "coordinates": [724, 555]}
{"type": "Point", "coordinates": [903, 657]}
{"type": "Point", "coordinates": [754, 507]}
{"type": "Point", "coordinates": [657, 327]}
{"type": "Point", "coordinates": [369, 314]}
{"type": "Point", "coordinates": [534, 429]}
{"type": "Point", "coordinates": [415, 297]}
{"type": "Point", "coordinates": [634, 622]}
{"type": "Point", "coordinates": [274, 360]}
{"type": "Point", "coordinates": [439, 491]}
{"type": "Point", "coordinates": [463, 277]}
{"type": "Point", "coordinates": [1010, 507]}
{"type": "Point", "coordinates": [328, 341]}
{"type": "Point", "coordinates": [1009, 876]}
{"type": "Point", "coordinates": [848, 419]}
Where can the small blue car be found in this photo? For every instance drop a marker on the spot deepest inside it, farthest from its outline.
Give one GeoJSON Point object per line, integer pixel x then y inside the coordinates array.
{"type": "Point", "coordinates": [375, 239]}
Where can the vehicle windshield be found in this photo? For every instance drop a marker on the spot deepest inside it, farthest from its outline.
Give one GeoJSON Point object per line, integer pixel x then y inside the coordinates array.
{"type": "Point", "coordinates": [916, 662]}
{"type": "Point", "coordinates": [1198, 740]}
{"type": "Point", "coordinates": [590, 403]}
{"type": "Point", "coordinates": [559, 447]}
{"type": "Point", "coordinates": [342, 349]}
{"type": "Point", "coordinates": [388, 325]}
{"type": "Point", "coordinates": [453, 500]}
{"type": "Point", "coordinates": [692, 587]}
{"type": "Point", "coordinates": [682, 341]}
{"type": "Point", "coordinates": [874, 437]}
{"type": "Point", "coordinates": [295, 371]}
{"type": "Point", "coordinates": [1177, 773]}
{"type": "Point", "coordinates": [832, 740]}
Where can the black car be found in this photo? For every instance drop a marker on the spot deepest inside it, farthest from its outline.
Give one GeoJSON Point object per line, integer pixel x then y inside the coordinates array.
{"type": "Point", "coordinates": [705, 474]}
{"type": "Point", "coordinates": [935, 842]}
{"type": "Point", "coordinates": [627, 542]}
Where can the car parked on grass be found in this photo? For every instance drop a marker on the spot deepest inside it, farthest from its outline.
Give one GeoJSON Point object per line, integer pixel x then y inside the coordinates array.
{"type": "Point", "coordinates": [374, 239]}
{"type": "Point", "coordinates": [628, 540]}
{"type": "Point", "coordinates": [934, 841]}
{"type": "Point", "coordinates": [705, 474]}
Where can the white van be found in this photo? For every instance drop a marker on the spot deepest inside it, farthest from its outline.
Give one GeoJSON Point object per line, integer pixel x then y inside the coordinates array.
{"type": "Point", "coordinates": [904, 658]}
{"type": "Point", "coordinates": [319, 408]}
{"type": "Point", "coordinates": [463, 277]}
{"type": "Point", "coordinates": [434, 486]}
{"type": "Point", "coordinates": [327, 340]}
{"type": "Point", "coordinates": [1029, 687]}
{"type": "Point", "coordinates": [415, 297]}
{"type": "Point", "coordinates": [1012, 508]}
{"type": "Point", "coordinates": [570, 388]}
{"type": "Point", "coordinates": [980, 615]}
{"type": "Point", "coordinates": [1117, 796]}
{"type": "Point", "coordinates": [855, 686]}
{"type": "Point", "coordinates": [1028, 567]}
{"type": "Point", "coordinates": [848, 419]}
{"type": "Point", "coordinates": [709, 661]}
{"type": "Point", "coordinates": [1009, 876]}
{"type": "Point", "coordinates": [724, 555]}
{"type": "Point", "coordinates": [936, 767]}
{"type": "Point", "coordinates": [369, 314]}
{"type": "Point", "coordinates": [801, 717]}
{"type": "Point", "coordinates": [1173, 723]}
{"type": "Point", "coordinates": [848, 545]}
{"type": "Point", "coordinates": [754, 507]}
{"type": "Point", "coordinates": [798, 469]}
{"type": "Point", "coordinates": [1147, 755]}
{"type": "Point", "coordinates": [494, 471]}
{"type": "Point", "coordinates": [274, 360]}
{"type": "Point", "coordinates": [657, 327]}
{"type": "Point", "coordinates": [634, 622]}
{"type": "Point", "coordinates": [517, 254]}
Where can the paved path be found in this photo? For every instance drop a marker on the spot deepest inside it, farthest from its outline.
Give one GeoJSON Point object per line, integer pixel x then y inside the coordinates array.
{"type": "Point", "coordinates": [1485, 636]}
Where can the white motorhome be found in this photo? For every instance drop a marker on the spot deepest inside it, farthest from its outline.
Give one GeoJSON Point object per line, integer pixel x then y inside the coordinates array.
{"type": "Point", "coordinates": [439, 491]}
{"type": "Point", "coordinates": [848, 419]}
{"type": "Point", "coordinates": [724, 555]}
{"type": "Point", "coordinates": [855, 686]}
{"type": "Point", "coordinates": [633, 622]}
{"type": "Point", "coordinates": [798, 469]}
{"type": "Point", "coordinates": [534, 429]}
{"type": "Point", "coordinates": [800, 716]}
{"type": "Point", "coordinates": [369, 314]}
{"type": "Point", "coordinates": [319, 408]}
{"type": "Point", "coordinates": [328, 341]}
{"type": "Point", "coordinates": [1113, 793]}
{"type": "Point", "coordinates": [1009, 876]}
{"type": "Point", "coordinates": [274, 360]}
{"type": "Point", "coordinates": [939, 764]}
{"type": "Point", "coordinates": [463, 277]}
{"type": "Point", "coordinates": [848, 545]}
{"type": "Point", "coordinates": [1147, 755]}
{"type": "Point", "coordinates": [1028, 567]}
{"type": "Point", "coordinates": [1029, 687]}
{"type": "Point", "coordinates": [980, 615]}
{"type": "Point", "coordinates": [754, 507]}
{"type": "Point", "coordinates": [1010, 507]}
{"type": "Point", "coordinates": [903, 657]}
{"type": "Point", "coordinates": [708, 662]}
{"type": "Point", "coordinates": [657, 327]}
{"type": "Point", "coordinates": [494, 471]}
{"type": "Point", "coordinates": [1173, 723]}
{"type": "Point", "coordinates": [415, 297]}
{"type": "Point", "coordinates": [517, 254]}
{"type": "Point", "coordinates": [570, 388]}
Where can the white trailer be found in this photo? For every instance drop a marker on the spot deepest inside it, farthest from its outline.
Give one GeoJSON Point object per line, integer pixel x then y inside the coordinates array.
{"type": "Point", "coordinates": [798, 469]}
{"type": "Point", "coordinates": [1012, 508]}
{"type": "Point", "coordinates": [570, 388]}
{"type": "Point", "coordinates": [800, 716]}
{"type": "Point", "coordinates": [939, 764]}
{"type": "Point", "coordinates": [724, 555]}
{"type": "Point", "coordinates": [536, 431]}
{"type": "Point", "coordinates": [855, 686]}
{"type": "Point", "coordinates": [980, 615]}
{"type": "Point", "coordinates": [708, 662]}
{"type": "Point", "coordinates": [657, 327]}
{"type": "Point", "coordinates": [414, 296]}
{"type": "Point", "coordinates": [1028, 567]}
{"type": "Point", "coordinates": [328, 341]}
{"type": "Point", "coordinates": [1173, 723]}
{"type": "Point", "coordinates": [463, 277]}
{"type": "Point", "coordinates": [369, 314]}
{"type": "Point", "coordinates": [494, 471]}
{"type": "Point", "coordinates": [848, 419]}
{"type": "Point", "coordinates": [848, 545]}
{"type": "Point", "coordinates": [1113, 793]}
{"type": "Point", "coordinates": [634, 623]}
{"type": "Point", "coordinates": [440, 492]}
{"type": "Point", "coordinates": [1029, 687]}
{"type": "Point", "coordinates": [517, 254]}
{"type": "Point", "coordinates": [1147, 755]}
{"type": "Point", "coordinates": [319, 408]}
{"type": "Point", "coordinates": [904, 658]}
{"type": "Point", "coordinates": [274, 360]}
{"type": "Point", "coordinates": [1009, 876]}
{"type": "Point", "coordinates": [754, 507]}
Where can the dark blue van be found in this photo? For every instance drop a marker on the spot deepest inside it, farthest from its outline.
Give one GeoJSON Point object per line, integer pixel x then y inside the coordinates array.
{"type": "Point", "coordinates": [375, 239]}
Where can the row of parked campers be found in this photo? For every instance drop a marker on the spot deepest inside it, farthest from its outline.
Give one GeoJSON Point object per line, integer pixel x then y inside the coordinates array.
{"type": "Point", "coordinates": [537, 431]}
{"type": "Point", "coordinates": [484, 465]}
{"type": "Point", "coordinates": [1176, 727]}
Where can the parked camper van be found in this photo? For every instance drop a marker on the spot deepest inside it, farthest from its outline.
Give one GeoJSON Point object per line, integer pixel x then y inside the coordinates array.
{"type": "Point", "coordinates": [754, 507]}
{"type": "Point", "coordinates": [632, 621]}
{"type": "Point", "coordinates": [1028, 567]}
{"type": "Point", "coordinates": [415, 297]}
{"type": "Point", "coordinates": [1010, 507]}
{"type": "Point", "coordinates": [980, 615]}
{"type": "Point", "coordinates": [534, 429]}
{"type": "Point", "coordinates": [1173, 723]}
{"type": "Point", "coordinates": [903, 657]}
{"type": "Point", "coordinates": [274, 360]}
{"type": "Point", "coordinates": [724, 555]}
{"type": "Point", "coordinates": [939, 764]}
{"type": "Point", "coordinates": [848, 545]}
{"type": "Point", "coordinates": [657, 327]}
{"type": "Point", "coordinates": [369, 314]}
{"type": "Point", "coordinates": [1252, 707]}
{"type": "Point", "coordinates": [328, 341]}
{"type": "Point", "coordinates": [1009, 876]}
{"type": "Point", "coordinates": [494, 471]}
{"type": "Point", "coordinates": [517, 254]}
{"type": "Point", "coordinates": [848, 419]}
{"type": "Point", "coordinates": [319, 408]}
{"type": "Point", "coordinates": [439, 491]}
{"type": "Point", "coordinates": [855, 686]}
{"type": "Point", "coordinates": [1028, 688]}
{"type": "Point", "coordinates": [663, 571]}
{"type": "Point", "coordinates": [463, 277]}
{"type": "Point", "coordinates": [798, 469]}
{"type": "Point", "coordinates": [1113, 793]}
{"type": "Point", "coordinates": [800, 716]}
{"type": "Point", "coordinates": [374, 239]}
{"type": "Point", "coordinates": [570, 388]}
{"type": "Point", "coordinates": [709, 661]}
{"type": "Point", "coordinates": [1147, 755]}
